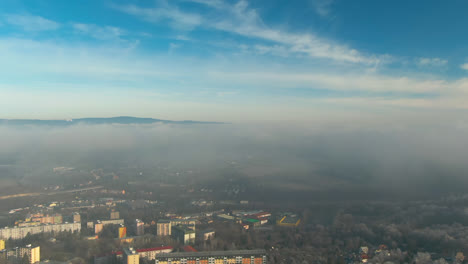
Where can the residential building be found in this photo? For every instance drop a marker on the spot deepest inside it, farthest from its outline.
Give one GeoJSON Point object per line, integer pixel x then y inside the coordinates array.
{"type": "Point", "coordinates": [76, 218]}
{"type": "Point", "coordinates": [16, 255]}
{"type": "Point", "coordinates": [191, 223]}
{"type": "Point", "coordinates": [148, 254]}
{"type": "Point", "coordinates": [98, 227]}
{"type": "Point", "coordinates": [114, 215]}
{"type": "Point", "coordinates": [208, 234]}
{"type": "Point", "coordinates": [151, 253]}
{"type": "Point", "coordinates": [112, 222]}
{"type": "Point", "coordinates": [33, 253]}
{"type": "Point", "coordinates": [100, 224]}
{"type": "Point", "coordinates": [47, 219]}
{"type": "Point", "coordinates": [236, 256]}
{"type": "Point", "coordinates": [122, 232]}
{"type": "Point", "coordinates": [163, 228]}
{"type": "Point", "coordinates": [139, 227]}
{"type": "Point", "coordinates": [21, 232]}
{"type": "Point", "coordinates": [130, 256]}
{"type": "Point", "coordinates": [183, 234]}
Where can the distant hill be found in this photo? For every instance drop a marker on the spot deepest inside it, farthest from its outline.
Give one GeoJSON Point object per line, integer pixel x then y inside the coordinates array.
{"type": "Point", "coordinates": [124, 120]}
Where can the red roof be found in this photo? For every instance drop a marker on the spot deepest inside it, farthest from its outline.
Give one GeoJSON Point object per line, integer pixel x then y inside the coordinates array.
{"type": "Point", "coordinates": [189, 249]}
{"type": "Point", "coordinates": [118, 253]}
{"type": "Point", "coordinates": [262, 214]}
{"type": "Point", "coordinates": [154, 249]}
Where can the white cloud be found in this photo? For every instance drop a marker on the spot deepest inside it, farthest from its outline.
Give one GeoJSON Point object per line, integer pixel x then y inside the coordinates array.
{"type": "Point", "coordinates": [464, 66]}
{"type": "Point", "coordinates": [31, 23]}
{"type": "Point", "coordinates": [173, 47]}
{"type": "Point", "coordinates": [335, 81]}
{"type": "Point", "coordinates": [44, 59]}
{"type": "Point", "coordinates": [322, 7]}
{"type": "Point", "coordinates": [165, 12]}
{"type": "Point", "coordinates": [97, 68]}
{"type": "Point", "coordinates": [211, 3]}
{"type": "Point", "coordinates": [241, 20]}
{"type": "Point", "coordinates": [433, 62]}
{"type": "Point", "coordinates": [98, 32]}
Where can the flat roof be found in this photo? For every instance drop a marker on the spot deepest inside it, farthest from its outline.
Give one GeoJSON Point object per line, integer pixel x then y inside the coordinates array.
{"type": "Point", "coordinates": [290, 220]}
{"type": "Point", "coordinates": [184, 228]}
{"type": "Point", "coordinates": [154, 249]}
{"type": "Point", "coordinates": [130, 251]}
{"type": "Point", "coordinates": [212, 254]}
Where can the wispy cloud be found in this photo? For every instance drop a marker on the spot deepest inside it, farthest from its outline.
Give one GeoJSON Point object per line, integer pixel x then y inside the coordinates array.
{"type": "Point", "coordinates": [322, 7]}
{"type": "Point", "coordinates": [163, 13]}
{"type": "Point", "coordinates": [333, 81]}
{"type": "Point", "coordinates": [464, 66]}
{"type": "Point", "coordinates": [433, 62]}
{"type": "Point", "coordinates": [211, 3]}
{"type": "Point", "coordinates": [31, 22]}
{"type": "Point", "coordinates": [173, 47]}
{"type": "Point", "coordinates": [244, 21]}
{"type": "Point", "coordinates": [99, 32]}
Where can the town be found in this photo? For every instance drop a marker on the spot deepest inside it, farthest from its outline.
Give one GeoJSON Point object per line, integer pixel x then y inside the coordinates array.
{"type": "Point", "coordinates": [115, 218]}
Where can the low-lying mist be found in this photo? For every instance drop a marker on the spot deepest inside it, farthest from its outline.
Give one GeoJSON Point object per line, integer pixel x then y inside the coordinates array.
{"type": "Point", "coordinates": [411, 161]}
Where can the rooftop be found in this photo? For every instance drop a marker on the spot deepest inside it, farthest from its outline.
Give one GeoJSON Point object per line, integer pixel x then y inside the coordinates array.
{"type": "Point", "coordinates": [154, 249]}
{"type": "Point", "coordinates": [290, 220]}
{"type": "Point", "coordinates": [130, 251]}
{"type": "Point", "coordinates": [255, 252]}
{"type": "Point", "coordinates": [184, 229]}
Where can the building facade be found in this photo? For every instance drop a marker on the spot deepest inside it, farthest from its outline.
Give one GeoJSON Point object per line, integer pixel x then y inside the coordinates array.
{"type": "Point", "coordinates": [122, 232]}
{"type": "Point", "coordinates": [208, 234]}
{"type": "Point", "coordinates": [213, 257]}
{"type": "Point", "coordinates": [16, 255]}
{"type": "Point", "coordinates": [76, 218]}
{"type": "Point", "coordinates": [183, 234]}
{"type": "Point", "coordinates": [131, 256]}
{"type": "Point", "coordinates": [191, 223]}
{"type": "Point", "coordinates": [151, 253]}
{"type": "Point", "coordinates": [33, 253]}
{"type": "Point", "coordinates": [98, 228]}
{"type": "Point", "coordinates": [148, 254]}
{"type": "Point", "coordinates": [22, 232]}
{"type": "Point", "coordinates": [164, 228]}
{"type": "Point", "coordinates": [139, 227]}
{"type": "Point", "coordinates": [114, 215]}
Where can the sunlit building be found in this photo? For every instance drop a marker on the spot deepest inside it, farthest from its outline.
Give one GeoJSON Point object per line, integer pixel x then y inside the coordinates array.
{"type": "Point", "coordinates": [163, 228]}
{"type": "Point", "coordinates": [131, 256]}
{"type": "Point", "coordinates": [122, 232]}
{"type": "Point", "coordinates": [234, 257]}
{"type": "Point", "coordinates": [98, 227]}
{"type": "Point", "coordinates": [76, 217]}
{"type": "Point", "coordinates": [18, 254]}
{"type": "Point", "coordinates": [33, 253]}
{"type": "Point", "coordinates": [139, 227]}
{"type": "Point", "coordinates": [21, 232]}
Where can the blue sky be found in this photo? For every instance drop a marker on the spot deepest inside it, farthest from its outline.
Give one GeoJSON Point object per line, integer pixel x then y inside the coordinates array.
{"type": "Point", "coordinates": [232, 60]}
